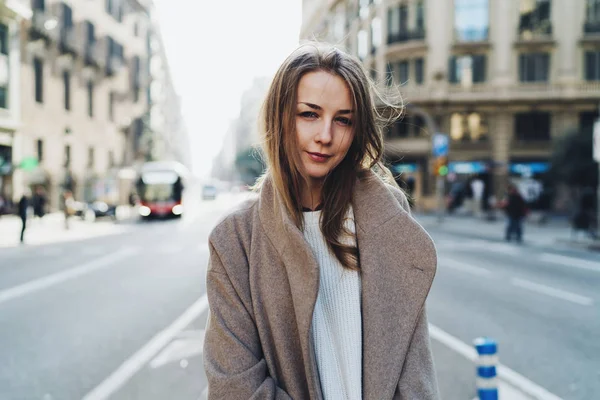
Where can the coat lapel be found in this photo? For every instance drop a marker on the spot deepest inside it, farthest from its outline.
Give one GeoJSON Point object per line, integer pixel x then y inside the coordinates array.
{"type": "Point", "coordinates": [301, 268]}
{"type": "Point", "coordinates": [398, 262]}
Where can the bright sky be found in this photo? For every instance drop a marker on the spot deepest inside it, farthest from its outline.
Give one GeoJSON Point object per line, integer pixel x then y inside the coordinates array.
{"type": "Point", "coordinates": [215, 49]}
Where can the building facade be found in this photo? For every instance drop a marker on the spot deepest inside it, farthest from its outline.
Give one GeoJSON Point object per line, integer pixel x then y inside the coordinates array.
{"type": "Point", "coordinates": [503, 78]}
{"type": "Point", "coordinates": [169, 139]}
{"type": "Point", "coordinates": [83, 91]}
{"type": "Point", "coordinates": [12, 15]}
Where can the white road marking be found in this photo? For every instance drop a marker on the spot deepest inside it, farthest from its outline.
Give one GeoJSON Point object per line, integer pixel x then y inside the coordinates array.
{"type": "Point", "coordinates": [553, 292]}
{"type": "Point", "coordinates": [131, 366]}
{"type": "Point", "coordinates": [59, 277]}
{"type": "Point", "coordinates": [571, 262]}
{"type": "Point", "coordinates": [460, 266]}
{"type": "Point", "coordinates": [513, 378]}
{"type": "Point", "coordinates": [186, 345]}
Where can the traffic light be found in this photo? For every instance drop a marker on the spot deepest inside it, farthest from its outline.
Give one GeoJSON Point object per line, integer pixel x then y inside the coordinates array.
{"type": "Point", "coordinates": [441, 166]}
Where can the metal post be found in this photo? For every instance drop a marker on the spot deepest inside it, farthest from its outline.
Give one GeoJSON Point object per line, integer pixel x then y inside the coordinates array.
{"type": "Point", "coordinates": [440, 197]}
{"type": "Point", "coordinates": [486, 382]}
{"type": "Point", "coordinates": [598, 184]}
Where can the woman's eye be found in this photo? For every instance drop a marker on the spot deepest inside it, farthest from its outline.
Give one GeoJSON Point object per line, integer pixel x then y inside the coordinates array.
{"type": "Point", "coordinates": [308, 114]}
{"type": "Point", "coordinates": [345, 121]}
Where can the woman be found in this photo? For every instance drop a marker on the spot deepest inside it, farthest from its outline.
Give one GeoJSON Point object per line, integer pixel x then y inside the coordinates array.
{"type": "Point", "coordinates": [317, 289]}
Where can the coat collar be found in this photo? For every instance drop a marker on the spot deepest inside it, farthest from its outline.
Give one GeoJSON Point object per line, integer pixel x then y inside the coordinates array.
{"type": "Point", "coordinates": [397, 261]}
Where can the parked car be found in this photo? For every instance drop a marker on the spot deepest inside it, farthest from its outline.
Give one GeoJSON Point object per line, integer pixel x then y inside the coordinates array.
{"type": "Point", "coordinates": [209, 192]}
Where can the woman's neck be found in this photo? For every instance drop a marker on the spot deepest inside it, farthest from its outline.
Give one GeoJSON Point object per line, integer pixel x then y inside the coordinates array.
{"type": "Point", "coordinates": [311, 196]}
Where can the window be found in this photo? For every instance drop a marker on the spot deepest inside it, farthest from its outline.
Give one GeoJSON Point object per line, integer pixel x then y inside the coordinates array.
{"type": "Point", "coordinates": [39, 5]}
{"type": "Point", "coordinates": [111, 158]}
{"type": "Point", "coordinates": [3, 39]}
{"type": "Point", "coordinates": [409, 126]}
{"type": "Point", "coordinates": [593, 11]}
{"type": "Point", "coordinates": [90, 157]}
{"type": "Point", "coordinates": [397, 23]}
{"type": "Point", "coordinates": [534, 67]}
{"type": "Point", "coordinates": [90, 96]}
{"type": "Point", "coordinates": [532, 126]}
{"type": "Point", "coordinates": [389, 74]}
{"type": "Point", "coordinates": [363, 8]}
{"type": "Point", "coordinates": [403, 72]}
{"type": "Point", "coordinates": [38, 72]}
{"type": "Point", "coordinates": [111, 106]}
{"type": "Point", "coordinates": [586, 122]}
{"type": "Point", "coordinates": [419, 71]}
{"type": "Point", "coordinates": [420, 23]}
{"type": "Point", "coordinates": [39, 145]}
{"type": "Point", "coordinates": [67, 17]}
{"type": "Point", "coordinates": [592, 65]}
{"type": "Point", "coordinates": [471, 20]}
{"type": "Point", "coordinates": [67, 156]}
{"type": "Point", "coordinates": [468, 127]}
{"type": "Point", "coordinates": [375, 34]}
{"type": "Point", "coordinates": [4, 50]}
{"type": "Point", "coordinates": [467, 69]}
{"type": "Point", "coordinates": [363, 44]}
{"type": "Point", "coordinates": [534, 18]}
{"type": "Point", "coordinates": [67, 89]}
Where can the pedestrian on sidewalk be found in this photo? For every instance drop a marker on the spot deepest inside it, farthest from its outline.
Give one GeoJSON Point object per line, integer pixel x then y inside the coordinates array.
{"type": "Point", "coordinates": [515, 207]}
{"type": "Point", "coordinates": [68, 206]}
{"type": "Point", "coordinates": [23, 208]}
{"type": "Point", "coordinates": [317, 287]}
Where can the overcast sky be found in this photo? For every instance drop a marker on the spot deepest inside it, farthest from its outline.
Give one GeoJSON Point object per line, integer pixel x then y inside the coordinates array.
{"type": "Point", "coordinates": [215, 49]}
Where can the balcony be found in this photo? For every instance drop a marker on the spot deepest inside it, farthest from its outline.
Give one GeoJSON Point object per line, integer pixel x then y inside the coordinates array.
{"type": "Point", "coordinates": [95, 55]}
{"type": "Point", "coordinates": [43, 27]}
{"type": "Point", "coordinates": [489, 93]}
{"type": "Point", "coordinates": [113, 65]}
{"type": "Point", "coordinates": [591, 32]}
{"type": "Point", "coordinates": [535, 36]}
{"type": "Point", "coordinates": [405, 36]}
{"type": "Point", "coordinates": [68, 42]}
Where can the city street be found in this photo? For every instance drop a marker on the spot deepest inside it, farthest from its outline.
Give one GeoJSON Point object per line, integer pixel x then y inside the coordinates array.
{"type": "Point", "coordinates": [121, 315]}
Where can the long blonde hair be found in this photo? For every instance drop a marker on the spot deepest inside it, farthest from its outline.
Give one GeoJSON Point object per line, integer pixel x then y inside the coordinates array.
{"type": "Point", "coordinates": [373, 112]}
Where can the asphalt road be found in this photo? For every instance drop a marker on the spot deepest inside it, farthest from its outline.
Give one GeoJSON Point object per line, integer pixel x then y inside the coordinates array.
{"type": "Point", "coordinates": [122, 316]}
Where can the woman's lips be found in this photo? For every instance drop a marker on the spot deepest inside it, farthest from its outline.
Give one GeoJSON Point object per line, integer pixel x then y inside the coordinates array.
{"type": "Point", "coordinates": [318, 157]}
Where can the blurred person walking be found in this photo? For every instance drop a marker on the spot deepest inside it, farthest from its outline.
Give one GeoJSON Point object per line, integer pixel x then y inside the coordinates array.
{"type": "Point", "coordinates": [39, 202]}
{"type": "Point", "coordinates": [23, 208]}
{"type": "Point", "coordinates": [317, 288]}
{"type": "Point", "coordinates": [515, 207]}
{"type": "Point", "coordinates": [68, 206]}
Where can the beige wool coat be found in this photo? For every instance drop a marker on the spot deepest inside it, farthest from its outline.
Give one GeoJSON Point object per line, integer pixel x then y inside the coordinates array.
{"type": "Point", "coordinates": [262, 285]}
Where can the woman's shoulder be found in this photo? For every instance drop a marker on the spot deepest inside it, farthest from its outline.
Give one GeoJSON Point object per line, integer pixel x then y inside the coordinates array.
{"type": "Point", "coordinates": [399, 195]}
{"type": "Point", "coordinates": [236, 223]}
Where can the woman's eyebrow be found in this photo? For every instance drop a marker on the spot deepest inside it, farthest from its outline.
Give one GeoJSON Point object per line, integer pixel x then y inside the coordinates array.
{"type": "Point", "coordinates": [317, 107]}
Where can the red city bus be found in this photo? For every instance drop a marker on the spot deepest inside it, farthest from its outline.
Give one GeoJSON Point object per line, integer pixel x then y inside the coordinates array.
{"type": "Point", "coordinates": [160, 187]}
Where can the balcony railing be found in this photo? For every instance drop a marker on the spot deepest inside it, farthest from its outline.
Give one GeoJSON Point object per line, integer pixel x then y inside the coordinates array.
{"type": "Point", "coordinates": [591, 28]}
{"type": "Point", "coordinates": [113, 65]}
{"type": "Point", "coordinates": [43, 26]}
{"type": "Point", "coordinates": [405, 36]}
{"type": "Point", "coordinates": [538, 32]}
{"type": "Point", "coordinates": [94, 55]}
{"type": "Point", "coordinates": [69, 43]}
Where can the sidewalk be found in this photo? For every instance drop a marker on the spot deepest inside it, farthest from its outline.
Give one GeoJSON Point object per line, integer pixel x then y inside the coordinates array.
{"type": "Point", "coordinates": [556, 231]}
{"type": "Point", "coordinates": [51, 229]}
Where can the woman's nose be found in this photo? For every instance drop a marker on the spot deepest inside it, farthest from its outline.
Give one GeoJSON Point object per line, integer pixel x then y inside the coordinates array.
{"type": "Point", "coordinates": [325, 134]}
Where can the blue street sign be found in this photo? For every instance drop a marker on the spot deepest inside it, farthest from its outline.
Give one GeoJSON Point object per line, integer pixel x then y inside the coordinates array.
{"type": "Point", "coordinates": [440, 145]}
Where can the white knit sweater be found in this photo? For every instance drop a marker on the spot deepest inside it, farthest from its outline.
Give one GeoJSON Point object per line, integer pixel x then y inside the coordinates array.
{"type": "Point", "coordinates": [336, 323]}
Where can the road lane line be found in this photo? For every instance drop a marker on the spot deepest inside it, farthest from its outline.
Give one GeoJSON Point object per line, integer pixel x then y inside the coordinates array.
{"type": "Point", "coordinates": [54, 279]}
{"type": "Point", "coordinates": [506, 374]}
{"type": "Point", "coordinates": [571, 262]}
{"type": "Point", "coordinates": [553, 292]}
{"type": "Point", "coordinates": [460, 266]}
{"type": "Point", "coordinates": [132, 365]}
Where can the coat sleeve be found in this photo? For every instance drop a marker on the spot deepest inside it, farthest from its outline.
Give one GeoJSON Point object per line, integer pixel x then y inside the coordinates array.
{"type": "Point", "coordinates": [418, 379]}
{"type": "Point", "coordinates": [233, 360]}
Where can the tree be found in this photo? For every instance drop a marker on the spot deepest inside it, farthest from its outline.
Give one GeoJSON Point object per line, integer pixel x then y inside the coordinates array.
{"type": "Point", "coordinates": [572, 162]}
{"type": "Point", "coordinates": [249, 165]}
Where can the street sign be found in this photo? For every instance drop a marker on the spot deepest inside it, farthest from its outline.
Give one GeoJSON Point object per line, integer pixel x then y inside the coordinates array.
{"type": "Point", "coordinates": [440, 145]}
{"type": "Point", "coordinates": [597, 141]}
{"type": "Point", "coordinates": [28, 163]}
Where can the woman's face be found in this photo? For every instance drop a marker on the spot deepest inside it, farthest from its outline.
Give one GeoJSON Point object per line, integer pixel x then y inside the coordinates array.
{"type": "Point", "coordinates": [324, 123]}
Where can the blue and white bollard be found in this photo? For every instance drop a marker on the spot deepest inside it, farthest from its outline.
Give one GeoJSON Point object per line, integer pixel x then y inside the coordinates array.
{"type": "Point", "coordinates": [487, 382]}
